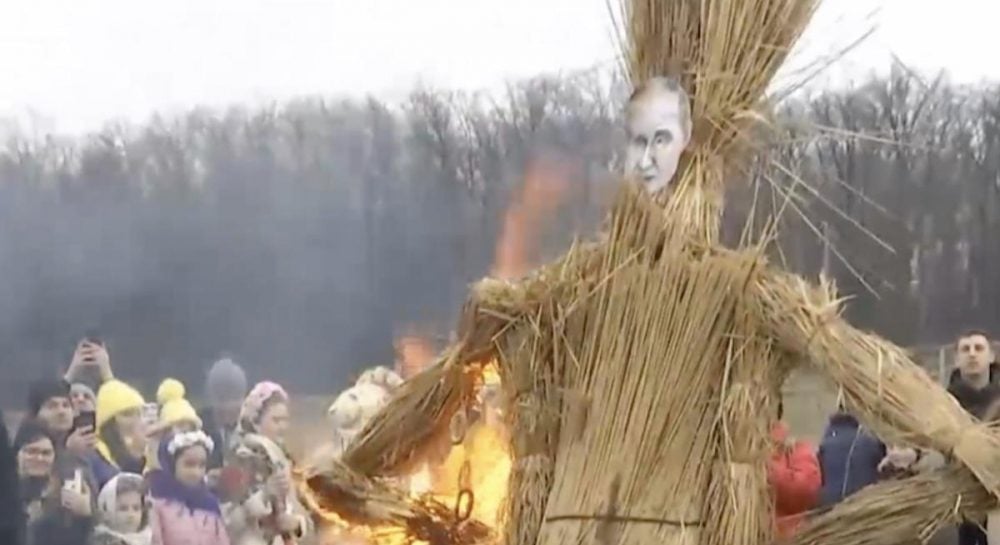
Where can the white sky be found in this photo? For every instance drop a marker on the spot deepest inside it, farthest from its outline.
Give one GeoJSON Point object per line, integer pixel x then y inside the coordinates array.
{"type": "Point", "coordinates": [81, 63]}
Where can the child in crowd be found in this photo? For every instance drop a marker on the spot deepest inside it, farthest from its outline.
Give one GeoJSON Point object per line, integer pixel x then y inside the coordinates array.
{"type": "Point", "coordinates": [123, 513]}
{"type": "Point", "coordinates": [177, 415]}
{"type": "Point", "coordinates": [262, 507]}
{"type": "Point", "coordinates": [184, 511]}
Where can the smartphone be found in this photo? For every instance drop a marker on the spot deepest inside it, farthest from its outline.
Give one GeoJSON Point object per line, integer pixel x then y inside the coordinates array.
{"type": "Point", "coordinates": [93, 337]}
{"type": "Point", "coordinates": [150, 414]}
{"type": "Point", "coordinates": [85, 420]}
{"type": "Point", "coordinates": [76, 483]}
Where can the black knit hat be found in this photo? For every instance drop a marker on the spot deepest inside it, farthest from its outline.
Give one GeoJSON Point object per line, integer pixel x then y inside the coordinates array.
{"type": "Point", "coordinates": [30, 431]}
{"type": "Point", "coordinates": [43, 390]}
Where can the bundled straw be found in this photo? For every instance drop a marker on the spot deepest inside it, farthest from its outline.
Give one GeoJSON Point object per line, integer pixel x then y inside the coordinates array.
{"type": "Point", "coordinates": [725, 54]}
{"type": "Point", "coordinates": [349, 500]}
{"type": "Point", "coordinates": [891, 393]}
{"type": "Point", "coordinates": [901, 511]}
{"type": "Point", "coordinates": [642, 352]}
{"type": "Point", "coordinates": [416, 419]}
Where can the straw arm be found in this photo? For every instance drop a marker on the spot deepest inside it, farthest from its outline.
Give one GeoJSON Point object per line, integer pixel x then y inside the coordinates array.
{"type": "Point", "coordinates": [416, 420]}
{"type": "Point", "coordinates": [881, 384]}
{"type": "Point", "coordinates": [901, 511]}
{"type": "Point", "coordinates": [344, 498]}
{"type": "Point", "coordinates": [408, 429]}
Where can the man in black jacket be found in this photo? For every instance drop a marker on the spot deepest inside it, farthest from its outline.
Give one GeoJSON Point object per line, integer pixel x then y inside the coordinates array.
{"type": "Point", "coordinates": [974, 384]}
{"type": "Point", "coordinates": [11, 515]}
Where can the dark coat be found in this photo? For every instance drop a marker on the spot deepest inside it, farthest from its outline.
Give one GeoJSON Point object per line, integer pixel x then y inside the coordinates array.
{"type": "Point", "coordinates": [976, 402]}
{"type": "Point", "coordinates": [849, 457]}
{"type": "Point", "coordinates": [58, 528]}
{"type": "Point", "coordinates": [212, 428]}
{"type": "Point", "coordinates": [11, 515]}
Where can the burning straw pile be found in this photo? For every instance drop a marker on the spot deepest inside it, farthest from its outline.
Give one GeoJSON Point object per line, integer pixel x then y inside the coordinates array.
{"type": "Point", "coordinates": [640, 372]}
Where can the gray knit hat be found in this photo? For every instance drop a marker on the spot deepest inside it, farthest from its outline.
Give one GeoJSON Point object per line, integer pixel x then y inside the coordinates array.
{"type": "Point", "coordinates": [227, 382]}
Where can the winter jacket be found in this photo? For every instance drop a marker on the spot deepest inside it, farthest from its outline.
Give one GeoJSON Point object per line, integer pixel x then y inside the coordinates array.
{"type": "Point", "coordinates": [106, 536]}
{"type": "Point", "coordinates": [60, 528]}
{"type": "Point", "coordinates": [103, 467]}
{"type": "Point", "coordinates": [794, 476]}
{"type": "Point", "coordinates": [176, 524]}
{"type": "Point", "coordinates": [975, 401]}
{"type": "Point", "coordinates": [221, 437]}
{"type": "Point", "coordinates": [11, 515]}
{"type": "Point", "coordinates": [848, 457]}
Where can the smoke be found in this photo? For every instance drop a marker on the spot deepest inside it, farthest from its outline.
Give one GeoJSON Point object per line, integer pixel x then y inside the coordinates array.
{"type": "Point", "coordinates": [301, 239]}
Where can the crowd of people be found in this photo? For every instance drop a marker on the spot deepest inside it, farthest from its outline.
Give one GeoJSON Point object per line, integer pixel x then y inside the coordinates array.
{"type": "Point", "coordinates": [850, 457]}
{"type": "Point", "coordinates": [92, 463]}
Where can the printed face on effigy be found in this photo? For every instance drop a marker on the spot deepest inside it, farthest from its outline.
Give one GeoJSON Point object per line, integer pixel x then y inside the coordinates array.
{"type": "Point", "coordinates": [658, 126]}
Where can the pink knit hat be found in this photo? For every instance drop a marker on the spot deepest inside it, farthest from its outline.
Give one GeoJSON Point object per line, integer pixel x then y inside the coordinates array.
{"type": "Point", "coordinates": [258, 396]}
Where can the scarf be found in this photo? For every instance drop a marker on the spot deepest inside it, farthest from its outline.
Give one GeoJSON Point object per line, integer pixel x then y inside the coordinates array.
{"type": "Point", "coordinates": [32, 489]}
{"type": "Point", "coordinates": [164, 486]}
{"type": "Point", "coordinates": [142, 537]}
{"type": "Point", "coordinates": [123, 461]}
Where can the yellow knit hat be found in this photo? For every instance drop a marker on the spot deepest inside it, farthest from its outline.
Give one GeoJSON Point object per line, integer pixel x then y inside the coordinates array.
{"type": "Point", "coordinates": [170, 389]}
{"type": "Point", "coordinates": [114, 398]}
{"type": "Point", "coordinates": [176, 411]}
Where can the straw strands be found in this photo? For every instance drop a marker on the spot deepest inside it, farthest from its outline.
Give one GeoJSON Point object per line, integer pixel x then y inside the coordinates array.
{"type": "Point", "coordinates": [725, 54]}
{"type": "Point", "coordinates": [644, 355]}
{"type": "Point", "coordinates": [904, 511]}
{"type": "Point", "coordinates": [639, 372]}
{"type": "Point", "coordinates": [888, 390]}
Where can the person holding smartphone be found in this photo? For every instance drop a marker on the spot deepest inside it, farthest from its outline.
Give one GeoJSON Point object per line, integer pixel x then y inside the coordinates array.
{"type": "Point", "coordinates": [91, 363]}
{"type": "Point", "coordinates": [49, 402]}
{"type": "Point", "coordinates": [68, 506]}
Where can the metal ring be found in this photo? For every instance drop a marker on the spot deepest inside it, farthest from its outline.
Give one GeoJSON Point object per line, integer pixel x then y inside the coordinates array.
{"type": "Point", "coordinates": [464, 515]}
{"type": "Point", "coordinates": [459, 426]}
{"type": "Point", "coordinates": [465, 476]}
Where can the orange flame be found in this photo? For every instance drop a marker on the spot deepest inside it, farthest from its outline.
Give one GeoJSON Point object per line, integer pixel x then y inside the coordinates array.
{"type": "Point", "coordinates": [546, 184]}
{"type": "Point", "coordinates": [482, 461]}
{"type": "Point", "coordinates": [414, 354]}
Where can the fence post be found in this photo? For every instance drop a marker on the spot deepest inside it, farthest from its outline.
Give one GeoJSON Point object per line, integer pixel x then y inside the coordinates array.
{"type": "Point", "coordinates": [942, 367]}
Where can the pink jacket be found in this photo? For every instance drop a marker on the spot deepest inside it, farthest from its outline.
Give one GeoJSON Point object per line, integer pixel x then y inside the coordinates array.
{"type": "Point", "coordinates": [175, 524]}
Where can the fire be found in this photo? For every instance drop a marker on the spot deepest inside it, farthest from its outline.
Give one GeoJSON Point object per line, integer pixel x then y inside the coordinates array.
{"type": "Point", "coordinates": [484, 456]}
{"type": "Point", "coordinates": [415, 353]}
{"type": "Point", "coordinates": [481, 462]}
{"type": "Point", "coordinates": [545, 186]}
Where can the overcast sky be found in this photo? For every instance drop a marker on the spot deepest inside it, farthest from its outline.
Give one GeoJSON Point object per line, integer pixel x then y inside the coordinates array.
{"type": "Point", "coordinates": [81, 63]}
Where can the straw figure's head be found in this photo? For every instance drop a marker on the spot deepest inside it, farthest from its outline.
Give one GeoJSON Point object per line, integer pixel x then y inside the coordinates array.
{"type": "Point", "coordinates": [658, 125]}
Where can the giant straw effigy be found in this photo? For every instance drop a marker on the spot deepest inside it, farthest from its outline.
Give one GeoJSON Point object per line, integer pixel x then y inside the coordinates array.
{"type": "Point", "coordinates": [641, 371]}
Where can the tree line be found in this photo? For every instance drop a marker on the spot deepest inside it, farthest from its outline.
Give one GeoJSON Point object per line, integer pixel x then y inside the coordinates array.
{"type": "Point", "coordinates": [304, 236]}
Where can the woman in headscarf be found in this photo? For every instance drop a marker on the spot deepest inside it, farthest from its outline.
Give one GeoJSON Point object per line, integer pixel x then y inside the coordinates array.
{"type": "Point", "coordinates": [123, 513]}
{"type": "Point", "coordinates": [263, 508]}
{"type": "Point", "coordinates": [121, 433]}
